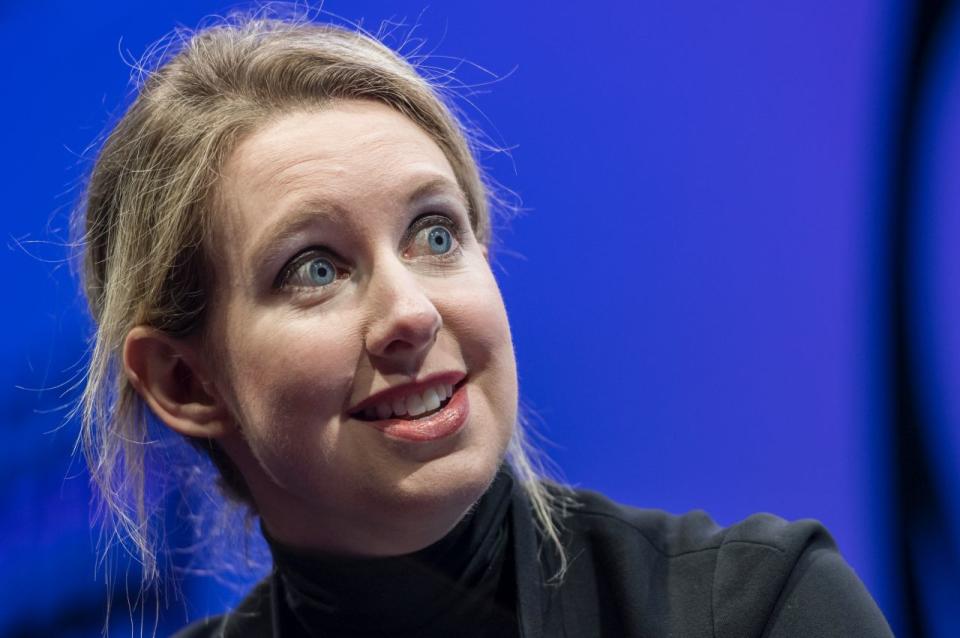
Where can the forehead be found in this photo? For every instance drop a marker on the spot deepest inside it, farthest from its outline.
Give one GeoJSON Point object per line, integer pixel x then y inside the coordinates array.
{"type": "Point", "coordinates": [353, 154]}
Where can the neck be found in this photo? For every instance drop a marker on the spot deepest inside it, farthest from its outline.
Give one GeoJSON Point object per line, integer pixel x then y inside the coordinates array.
{"type": "Point", "coordinates": [455, 581]}
{"type": "Point", "coordinates": [391, 517]}
{"type": "Point", "coordinates": [382, 527]}
{"type": "Point", "coordinates": [365, 538]}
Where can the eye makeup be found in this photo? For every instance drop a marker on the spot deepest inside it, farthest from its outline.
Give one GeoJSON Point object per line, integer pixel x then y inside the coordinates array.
{"type": "Point", "coordinates": [440, 209]}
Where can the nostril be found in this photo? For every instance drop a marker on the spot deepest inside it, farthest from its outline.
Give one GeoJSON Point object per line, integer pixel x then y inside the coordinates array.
{"type": "Point", "coordinates": [411, 340]}
{"type": "Point", "coordinates": [397, 347]}
{"type": "Point", "coordinates": [403, 335]}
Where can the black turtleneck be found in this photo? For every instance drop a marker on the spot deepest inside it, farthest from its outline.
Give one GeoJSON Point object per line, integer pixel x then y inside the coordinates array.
{"type": "Point", "coordinates": [463, 585]}
{"type": "Point", "coordinates": [631, 572]}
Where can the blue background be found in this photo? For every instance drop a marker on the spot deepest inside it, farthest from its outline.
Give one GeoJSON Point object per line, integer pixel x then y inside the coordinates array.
{"type": "Point", "coordinates": [697, 285]}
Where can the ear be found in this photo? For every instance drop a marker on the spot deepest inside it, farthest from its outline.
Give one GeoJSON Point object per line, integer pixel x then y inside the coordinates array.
{"type": "Point", "coordinates": [169, 375]}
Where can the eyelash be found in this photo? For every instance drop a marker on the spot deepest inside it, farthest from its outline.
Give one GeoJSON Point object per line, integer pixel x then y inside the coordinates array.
{"type": "Point", "coordinates": [424, 222]}
{"type": "Point", "coordinates": [429, 220]}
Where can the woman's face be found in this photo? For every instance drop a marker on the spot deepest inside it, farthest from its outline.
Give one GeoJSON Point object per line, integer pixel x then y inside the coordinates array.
{"type": "Point", "coordinates": [352, 296]}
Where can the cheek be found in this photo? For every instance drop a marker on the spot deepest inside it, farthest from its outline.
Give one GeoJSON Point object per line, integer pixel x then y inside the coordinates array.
{"type": "Point", "coordinates": [478, 319]}
{"type": "Point", "coordinates": [288, 374]}
{"type": "Point", "coordinates": [478, 313]}
{"type": "Point", "coordinates": [482, 331]}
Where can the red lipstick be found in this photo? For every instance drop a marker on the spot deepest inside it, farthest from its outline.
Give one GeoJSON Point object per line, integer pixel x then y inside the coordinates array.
{"type": "Point", "coordinates": [446, 421]}
{"type": "Point", "coordinates": [417, 387]}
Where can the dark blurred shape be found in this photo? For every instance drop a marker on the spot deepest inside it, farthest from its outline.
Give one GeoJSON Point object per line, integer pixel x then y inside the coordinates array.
{"type": "Point", "coordinates": [924, 244]}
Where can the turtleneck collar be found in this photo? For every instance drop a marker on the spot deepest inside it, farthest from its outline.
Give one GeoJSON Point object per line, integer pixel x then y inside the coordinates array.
{"type": "Point", "coordinates": [450, 584]}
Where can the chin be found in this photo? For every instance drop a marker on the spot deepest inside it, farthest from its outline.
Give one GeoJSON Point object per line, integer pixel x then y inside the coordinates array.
{"type": "Point", "coordinates": [452, 483]}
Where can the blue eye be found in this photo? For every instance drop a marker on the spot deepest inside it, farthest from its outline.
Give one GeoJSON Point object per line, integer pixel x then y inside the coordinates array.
{"type": "Point", "coordinates": [321, 271]}
{"type": "Point", "coordinates": [439, 240]}
{"type": "Point", "coordinates": [313, 271]}
{"type": "Point", "coordinates": [434, 237]}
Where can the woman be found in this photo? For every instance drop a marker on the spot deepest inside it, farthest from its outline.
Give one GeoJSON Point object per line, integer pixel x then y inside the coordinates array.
{"type": "Point", "coordinates": [287, 258]}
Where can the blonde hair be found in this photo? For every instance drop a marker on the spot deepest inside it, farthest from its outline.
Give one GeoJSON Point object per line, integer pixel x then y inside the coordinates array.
{"type": "Point", "coordinates": [146, 216]}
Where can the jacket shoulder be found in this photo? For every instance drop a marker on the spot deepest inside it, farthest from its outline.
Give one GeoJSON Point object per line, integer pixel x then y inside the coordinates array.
{"type": "Point", "coordinates": [204, 628]}
{"type": "Point", "coordinates": [675, 535]}
{"type": "Point", "coordinates": [252, 617]}
{"type": "Point", "coordinates": [760, 574]}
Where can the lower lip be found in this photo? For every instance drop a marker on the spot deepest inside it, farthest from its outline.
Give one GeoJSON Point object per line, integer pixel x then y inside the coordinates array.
{"type": "Point", "coordinates": [438, 425]}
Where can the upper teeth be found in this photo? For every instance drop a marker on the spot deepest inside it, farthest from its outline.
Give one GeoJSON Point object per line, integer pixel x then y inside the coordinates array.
{"type": "Point", "coordinates": [412, 404]}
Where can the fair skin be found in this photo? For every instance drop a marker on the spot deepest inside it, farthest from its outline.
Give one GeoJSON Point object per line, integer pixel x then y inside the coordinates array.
{"type": "Point", "coordinates": [348, 279]}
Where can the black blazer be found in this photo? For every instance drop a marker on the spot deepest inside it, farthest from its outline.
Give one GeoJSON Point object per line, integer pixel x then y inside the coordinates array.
{"type": "Point", "coordinates": [646, 573]}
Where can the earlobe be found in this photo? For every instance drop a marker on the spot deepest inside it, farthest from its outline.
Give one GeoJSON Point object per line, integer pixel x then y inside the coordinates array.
{"type": "Point", "coordinates": [168, 374]}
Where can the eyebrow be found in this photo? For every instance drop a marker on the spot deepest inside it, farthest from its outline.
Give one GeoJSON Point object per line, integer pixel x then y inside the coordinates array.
{"type": "Point", "coordinates": [309, 211]}
{"type": "Point", "coordinates": [436, 185]}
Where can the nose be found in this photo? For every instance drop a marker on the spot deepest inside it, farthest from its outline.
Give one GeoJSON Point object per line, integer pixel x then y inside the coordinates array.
{"type": "Point", "coordinates": [405, 321]}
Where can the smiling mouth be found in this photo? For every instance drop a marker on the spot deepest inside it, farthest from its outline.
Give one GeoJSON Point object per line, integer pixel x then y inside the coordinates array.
{"type": "Point", "coordinates": [412, 407]}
